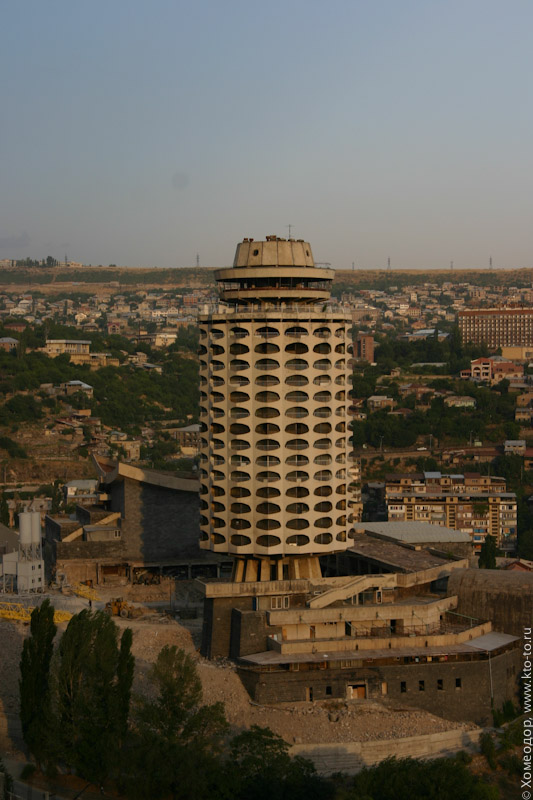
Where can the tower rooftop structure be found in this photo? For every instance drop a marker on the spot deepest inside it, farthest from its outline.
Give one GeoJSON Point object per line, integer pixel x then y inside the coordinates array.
{"type": "Point", "coordinates": [274, 398]}
{"type": "Point", "coordinates": [272, 272]}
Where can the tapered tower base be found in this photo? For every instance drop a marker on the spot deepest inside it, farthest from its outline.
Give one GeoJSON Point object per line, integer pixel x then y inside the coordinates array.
{"type": "Point", "coordinates": [263, 568]}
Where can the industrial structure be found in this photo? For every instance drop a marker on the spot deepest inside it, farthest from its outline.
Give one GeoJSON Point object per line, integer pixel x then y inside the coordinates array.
{"type": "Point", "coordinates": [23, 567]}
{"type": "Point", "coordinates": [275, 446]}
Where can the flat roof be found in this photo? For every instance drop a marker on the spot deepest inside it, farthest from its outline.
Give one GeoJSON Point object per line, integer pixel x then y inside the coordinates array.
{"type": "Point", "coordinates": [271, 657]}
{"type": "Point", "coordinates": [394, 555]}
{"type": "Point", "coordinates": [415, 532]}
{"type": "Point", "coordinates": [491, 641]}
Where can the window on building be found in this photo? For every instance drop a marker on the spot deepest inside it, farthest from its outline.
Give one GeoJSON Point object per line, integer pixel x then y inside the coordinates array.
{"type": "Point", "coordinates": [440, 685]}
{"type": "Point", "coordinates": [458, 683]}
{"type": "Point", "coordinates": [421, 686]}
{"type": "Point", "coordinates": [279, 602]}
{"type": "Point", "coordinates": [328, 691]}
{"type": "Point", "coordinates": [403, 687]}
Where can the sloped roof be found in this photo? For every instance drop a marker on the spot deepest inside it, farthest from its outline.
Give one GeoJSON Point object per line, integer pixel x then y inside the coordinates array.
{"type": "Point", "coordinates": [8, 537]}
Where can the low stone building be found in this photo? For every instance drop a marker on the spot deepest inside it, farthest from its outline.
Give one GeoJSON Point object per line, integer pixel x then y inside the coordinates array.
{"type": "Point", "coordinates": [395, 636]}
{"type": "Point", "coordinates": [145, 525]}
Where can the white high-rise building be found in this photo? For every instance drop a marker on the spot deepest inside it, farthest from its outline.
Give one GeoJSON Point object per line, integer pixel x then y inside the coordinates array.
{"type": "Point", "coordinates": [274, 398]}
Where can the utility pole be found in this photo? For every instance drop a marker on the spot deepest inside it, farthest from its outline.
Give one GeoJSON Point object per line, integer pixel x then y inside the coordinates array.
{"type": "Point", "coordinates": [197, 259]}
{"type": "Point", "coordinates": [388, 264]}
{"type": "Point", "coordinates": [290, 228]}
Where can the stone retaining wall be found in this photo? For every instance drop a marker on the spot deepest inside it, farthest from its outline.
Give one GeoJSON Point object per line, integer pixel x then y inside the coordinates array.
{"type": "Point", "coordinates": [351, 757]}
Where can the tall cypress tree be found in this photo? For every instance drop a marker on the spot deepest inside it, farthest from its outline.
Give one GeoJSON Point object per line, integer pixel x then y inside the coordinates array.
{"type": "Point", "coordinates": [34, 685]}
{"type": "Point", "coordinates": [487, 554]}
{"type": "Point", "coordinates": [94, 678]}
{"type": "Point", "coordinates": [4, 510]}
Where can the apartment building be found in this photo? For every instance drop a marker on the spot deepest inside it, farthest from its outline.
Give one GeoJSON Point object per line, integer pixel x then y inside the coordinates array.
{"type": "Point", "coordinates": [364, 348]}
{"type": "Point", "coordinates": [78, 350]}
{"type": "Point", "coordinates": [497, 327]}
{"type": "Point", "coordinates": [473, 503]}
{"type": "Point", "coordinates": [73, 347]}
{"type": "Point", "coordinates": [275, 483]}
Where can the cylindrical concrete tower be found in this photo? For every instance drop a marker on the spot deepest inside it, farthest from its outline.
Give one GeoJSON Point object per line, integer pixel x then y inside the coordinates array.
{"type": "Point", "coordinates": [274, 398]}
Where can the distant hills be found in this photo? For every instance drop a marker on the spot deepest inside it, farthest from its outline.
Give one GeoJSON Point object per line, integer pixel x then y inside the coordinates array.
{"type": "Point", "coordinates": [203, 277]}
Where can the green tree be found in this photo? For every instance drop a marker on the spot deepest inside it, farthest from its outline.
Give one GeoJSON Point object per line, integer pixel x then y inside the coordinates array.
{"type": "Point", "coordinates": [410, 779]}
{"type": "Point", "coordinates": [34, 685]}
{"type": "Point", "coordinates": [94, 677]}
{"type": "Point", "coordinates": [8, 782]}
{"type": "Point", "coordinates": [487, 555]}
{"type": "Point", "coordinates": [176, 739]}
{"type": "Point", "coordinates": [525, 544]}
{"type": "Point", "coordinates": [260, 767]}
{"type": "Point", "coordinates": [4, 510]}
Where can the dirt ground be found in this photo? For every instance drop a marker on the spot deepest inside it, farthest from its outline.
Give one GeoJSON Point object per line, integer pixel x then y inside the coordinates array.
{"type": "Point", "coordinates": [328, 721]}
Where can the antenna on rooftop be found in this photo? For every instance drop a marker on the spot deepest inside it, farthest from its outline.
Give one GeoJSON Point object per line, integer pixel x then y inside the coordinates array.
{"type": "Point", "coordinates": [197, 259]}
{"type": "Point", "coordinates": [451, 265]}
{"type": "Point", "coordinates": [388, 263]}
{"type": "Point", "coordinates": [290, 228]}
{"type": "Point", "coordinates": [490, 262]}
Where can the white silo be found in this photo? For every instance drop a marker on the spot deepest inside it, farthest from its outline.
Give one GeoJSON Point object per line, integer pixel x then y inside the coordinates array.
{"type": "Point", "coordinates": [25, 532]}
{"type": "Point", "coordinates": [36, 533]}
{"type": "Point", "coordinates": [30, 566]}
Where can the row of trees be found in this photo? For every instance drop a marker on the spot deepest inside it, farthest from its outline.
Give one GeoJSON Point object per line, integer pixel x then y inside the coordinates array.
{"type": "Point", "coordinates": [78, 714]}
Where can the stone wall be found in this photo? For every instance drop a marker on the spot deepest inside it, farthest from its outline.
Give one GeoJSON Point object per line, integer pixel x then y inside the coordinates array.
{"type": "Point", "coordinates": [351, 757]}
{"type": "Point", "coordinates": [505, 597]}
{"type": "Point", "coordinates": [157, 523]}
{"type": "Point", "coordinates": [216, 631]}
{"type": "Point", "coordinates": [104, 550]}
{"type": "Point", "coordinates": [249, 632]}
{"type": "Point", "coordinates": [432, 687]}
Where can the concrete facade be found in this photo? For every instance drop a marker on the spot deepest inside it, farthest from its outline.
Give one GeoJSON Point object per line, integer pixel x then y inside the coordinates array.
{"type": "Point", "coordinates": [274, 399]}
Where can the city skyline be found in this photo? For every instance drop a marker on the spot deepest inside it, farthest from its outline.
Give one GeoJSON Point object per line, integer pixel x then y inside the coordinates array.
{"type": "Point", "coordinates": [379, 130]}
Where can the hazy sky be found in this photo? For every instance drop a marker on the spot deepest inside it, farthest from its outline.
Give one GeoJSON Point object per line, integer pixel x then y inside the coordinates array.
{"type": "Point", "coordinates": [142, 133]}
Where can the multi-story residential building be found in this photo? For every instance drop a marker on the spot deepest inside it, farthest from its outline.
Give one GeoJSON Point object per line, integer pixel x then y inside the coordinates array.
{"type": "Point", "coordinates": [497, 327]}
{"type": "Point", "coordinates": [188, 438]}
{"type": "Point", "coordinates": [73, 347]}
{"type": "Point", "coordinates": [273, 407]}
{"type": "Point", "coordinates": [78, 350]}
{"type": "Point", "coordinates": [473, 503]}
{"type": "Point", "coordinates": [364, 348]}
